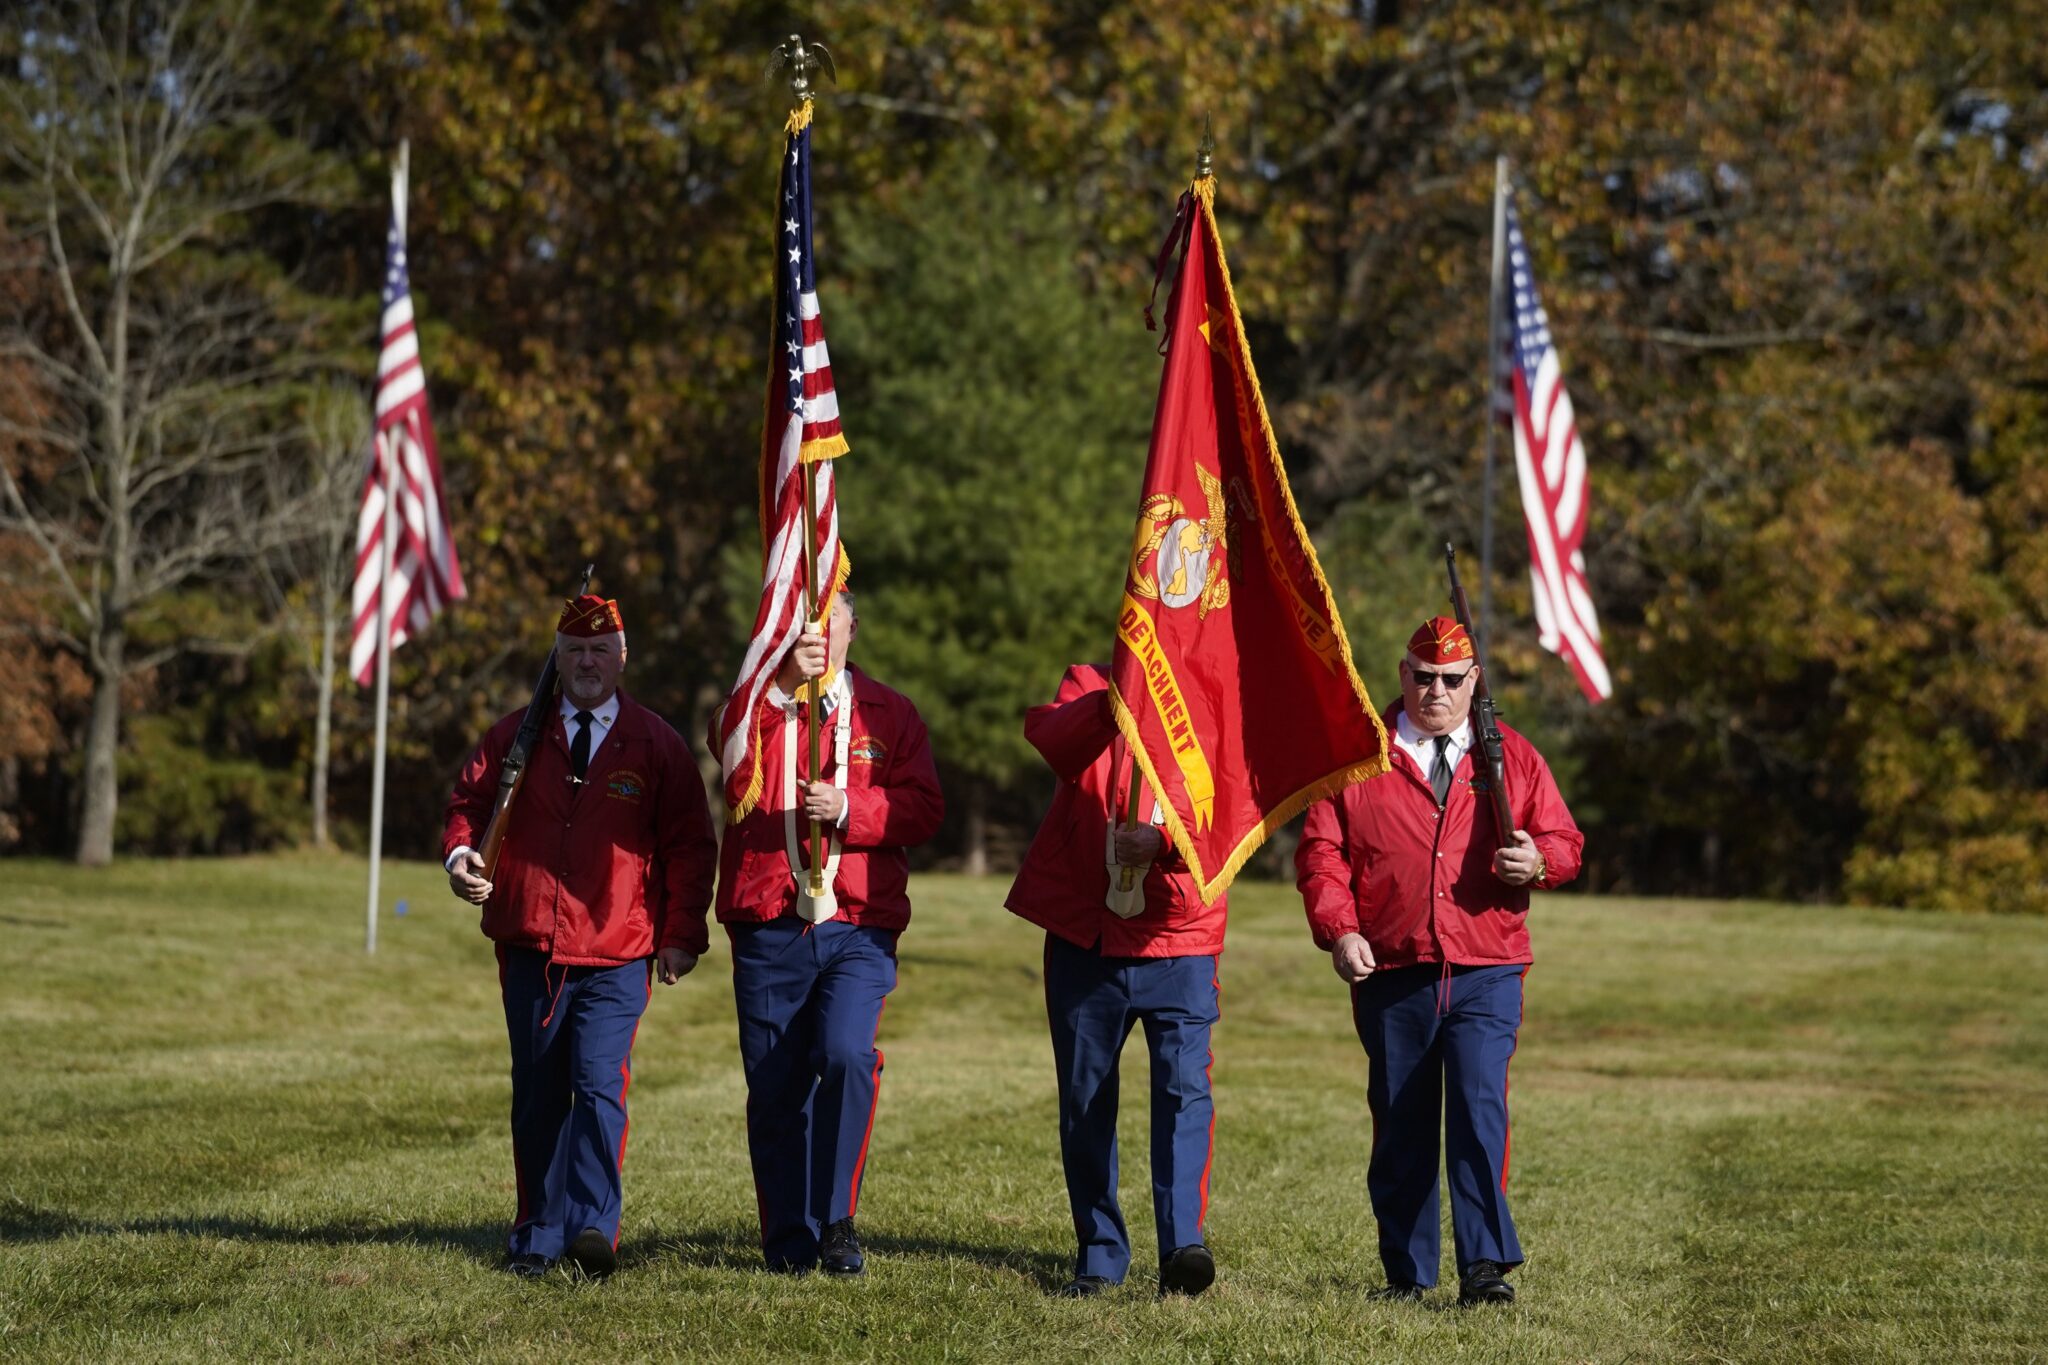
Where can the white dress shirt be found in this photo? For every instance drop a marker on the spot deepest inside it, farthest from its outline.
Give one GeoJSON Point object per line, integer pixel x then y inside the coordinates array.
{"type": "Point", "coordinates": [601, 718]}
{"type": "Point", "coordinates": [1422, 748]}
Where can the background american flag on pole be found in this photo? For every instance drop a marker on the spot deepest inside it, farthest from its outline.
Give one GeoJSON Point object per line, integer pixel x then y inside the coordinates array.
{"type": "Point", "coordinates": [424, 576]}
{"type": "Point", "coordinates": [801, 427]}
{"type": "Point", "coordinates": [1550, 465]}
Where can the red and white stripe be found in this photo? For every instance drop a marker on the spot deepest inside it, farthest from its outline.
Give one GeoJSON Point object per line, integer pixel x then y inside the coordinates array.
{"type": "Point", "coordinates": [778, 620]}
{"type": "Point", "coordinates": [424, 575]}
{"type": "Point", "coordinates": [1550, 466]}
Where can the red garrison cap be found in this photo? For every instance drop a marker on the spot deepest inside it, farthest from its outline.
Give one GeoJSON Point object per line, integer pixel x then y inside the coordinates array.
{"type": "Point", "coordinates": [1440, 640]}
{"type": "Point", "coordinates": [590, 615]}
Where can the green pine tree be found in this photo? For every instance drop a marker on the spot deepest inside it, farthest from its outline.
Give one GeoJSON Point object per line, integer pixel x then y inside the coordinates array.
{"type": "Point", "coordinates": [999, 413]}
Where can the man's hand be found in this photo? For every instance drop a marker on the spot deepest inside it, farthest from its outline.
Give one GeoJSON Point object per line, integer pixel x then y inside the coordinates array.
{"type": "Point", "coordinates": [1138, 845]}
{"type": "Point", "coordinates": [1520, 865]}
{"type": "Point", "coordinates": [674, 964]}
{"type": "Point", "coordinates": [805, 660]}
{"type": "Point", "coordinates": [823, 802]}
{"type": "Point", "coordinates": [1352, 956]}
{"type": "Point", "coordinates": [467, 880]}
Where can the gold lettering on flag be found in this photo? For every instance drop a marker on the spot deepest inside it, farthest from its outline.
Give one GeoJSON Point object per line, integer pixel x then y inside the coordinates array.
{"type": "Point", "coordinates": [1134, 627]}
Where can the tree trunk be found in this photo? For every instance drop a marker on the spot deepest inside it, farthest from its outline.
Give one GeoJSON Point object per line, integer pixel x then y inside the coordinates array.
{"type": "Point", "coordinates": [977, 827]}
{"type": "Point", "coordinates": [102, 742]}
{"type": "Point", "coordinates": [10, 801]}
{"type": "Point", "coordinates": [323, 728]}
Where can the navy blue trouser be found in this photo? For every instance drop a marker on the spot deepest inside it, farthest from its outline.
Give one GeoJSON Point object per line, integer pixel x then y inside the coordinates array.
{"type": "Point", "coordinates": [1439, 1052]}
{"type": "Point", "coordinates": [810, 1002]}
{"type": "Point", "coordinates": [572, 1031]}
{"type": "Point", "coordinates": [1091, 1002]}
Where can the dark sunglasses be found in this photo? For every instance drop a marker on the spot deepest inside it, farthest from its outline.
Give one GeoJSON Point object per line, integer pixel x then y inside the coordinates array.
{"type": "Point", "coordinates": [1424, 679]}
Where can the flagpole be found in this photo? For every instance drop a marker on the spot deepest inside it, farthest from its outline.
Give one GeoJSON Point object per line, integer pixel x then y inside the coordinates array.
{"type": "Point", "coordinates": [388, 452]}
{"type": "Point", "coordinates": [1496, 297]}
{"type": "Point", "coordinates": [817, 698]}
{"type": "Point", "coordinates": [1205, 166]}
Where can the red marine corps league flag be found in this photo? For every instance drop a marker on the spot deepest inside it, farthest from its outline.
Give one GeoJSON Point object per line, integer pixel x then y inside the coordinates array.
{"type": "Point", "coordinates": [1232, 678]}
{"type": "Point", "coordinates": [801, 430]}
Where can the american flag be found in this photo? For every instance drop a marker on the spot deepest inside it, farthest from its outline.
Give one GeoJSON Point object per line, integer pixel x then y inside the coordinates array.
{"type": "Point", "coordinates": [1550, 463]}
{"type": "Point", "coordinates": [801, 428]}
{"type": "Point", "coordinates": [424, 574]}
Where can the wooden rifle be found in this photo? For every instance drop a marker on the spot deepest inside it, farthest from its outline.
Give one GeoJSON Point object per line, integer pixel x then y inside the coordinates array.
{"type": "Point", "coordinates": [512, 771]}
{"type": "Point", "coordinates": [1485, 720]}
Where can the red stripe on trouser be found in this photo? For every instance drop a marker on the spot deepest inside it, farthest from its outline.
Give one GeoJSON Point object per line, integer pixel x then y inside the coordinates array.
{"type": "Point", "coordinates": [1507, 1126]}
{"type": "Point", "coordinates": [874, 1104]}
{"type": "Point", "coordinates": [1208, 1076]}
{"type": "Point", "coordinates": [625, 1085]}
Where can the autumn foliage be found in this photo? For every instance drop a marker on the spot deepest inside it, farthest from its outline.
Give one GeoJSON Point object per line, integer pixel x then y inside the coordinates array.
{"type": "Point", "coordinates": [1795, 258]}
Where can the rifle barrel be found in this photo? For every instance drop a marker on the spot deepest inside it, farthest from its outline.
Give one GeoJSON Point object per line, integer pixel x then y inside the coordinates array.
{"type": "Point", "coordinates": [512, 768]}
{"type": "Point", "coordinates": [1486, 720]}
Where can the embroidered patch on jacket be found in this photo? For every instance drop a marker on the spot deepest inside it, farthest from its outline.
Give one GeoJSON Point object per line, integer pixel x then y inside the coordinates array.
{"type": "Point", "coordinates": [867, 749]}
{"type": "Point", "coordinates": [626, 785]}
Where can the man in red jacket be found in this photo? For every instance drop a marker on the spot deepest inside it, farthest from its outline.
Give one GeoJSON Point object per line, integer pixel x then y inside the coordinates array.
{"type": "Point", "coordinates": [1421, 904]}
{"type": "Point", "coordinates": [810, 975]}
{"type": "Point", "coordinates": [605, 876]}
{"type": "Point", "coordinates": [1114, 956]}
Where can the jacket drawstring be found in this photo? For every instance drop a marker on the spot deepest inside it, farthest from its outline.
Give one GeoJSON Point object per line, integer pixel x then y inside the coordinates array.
{"type": "Point", "coordinates": [1443, 989]}
{"type": "Point", "coordinates": [555, 994]}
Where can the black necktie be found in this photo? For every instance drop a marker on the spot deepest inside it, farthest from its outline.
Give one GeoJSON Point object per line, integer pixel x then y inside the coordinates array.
{"type": "Point", "coordinates": [1440, 771]}
{"type": "Point", "coordinates": [579, 747]}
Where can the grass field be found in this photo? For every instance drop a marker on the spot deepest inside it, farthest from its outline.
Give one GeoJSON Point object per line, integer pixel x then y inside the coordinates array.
{"type": "Point", "coordinates": [1742, 1132]}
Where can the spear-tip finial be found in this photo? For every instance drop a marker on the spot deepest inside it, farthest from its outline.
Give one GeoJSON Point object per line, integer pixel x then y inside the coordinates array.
{"type": "Point", "coordinates": [1205, 154]}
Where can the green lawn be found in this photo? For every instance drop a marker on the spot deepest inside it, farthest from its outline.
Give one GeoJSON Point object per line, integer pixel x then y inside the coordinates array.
{"type": "Point", "coordinates": [1741, 1132]}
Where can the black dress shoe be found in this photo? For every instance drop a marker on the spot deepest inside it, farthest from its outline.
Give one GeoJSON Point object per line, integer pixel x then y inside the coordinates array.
{"type": "Point", "coordinates": [1397, 1291]}
{"type": "Point", "coordinates": [1087, 1287]}
{"type": "Point", "coordinates": [1187, 1270]}
{"type": "Point", "coordinates": [839, 1250]}
{"type": "Point", "coordinates": [592, 1254]}
{"type": "Point", "coordinates": [527, 1266]}
{"type": "Point", "coordinates": [1484, 1282]}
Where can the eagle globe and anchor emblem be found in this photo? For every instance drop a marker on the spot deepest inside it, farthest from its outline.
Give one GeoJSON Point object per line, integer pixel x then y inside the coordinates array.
{"type": "Point", "coordinates": [1191, 552]}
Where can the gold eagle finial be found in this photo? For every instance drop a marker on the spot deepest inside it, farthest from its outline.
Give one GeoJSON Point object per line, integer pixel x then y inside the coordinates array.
{"type": "Point", "coordinates": [800, 59]}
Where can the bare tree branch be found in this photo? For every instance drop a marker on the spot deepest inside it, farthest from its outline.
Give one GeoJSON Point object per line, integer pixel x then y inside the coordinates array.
{"type": "Point", "coordinates": [28, 524]}
{"type": "Point", "coordinates": [1735, 341]}
{"type": "Point", "coordinates": [151, 367]}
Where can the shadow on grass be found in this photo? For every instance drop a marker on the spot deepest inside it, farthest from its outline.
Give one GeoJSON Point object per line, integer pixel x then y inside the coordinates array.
{"type": "Point", "coordinates": [735, 1248]}
{"type": "Point", "coordinates": [24, 1222]}
{"type": "Point", "coordinates": [716, 1248]}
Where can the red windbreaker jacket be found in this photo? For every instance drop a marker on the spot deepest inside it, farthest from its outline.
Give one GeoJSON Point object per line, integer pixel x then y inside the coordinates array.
{"type": "Point", "coordinates": [605, 873]}
{"type": "Point", "coordinates": [1376, 859]}
{"type": "Point", "coordinates": [1064, 879]}
{"type": "Point", "coordinates": [892, 802]}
